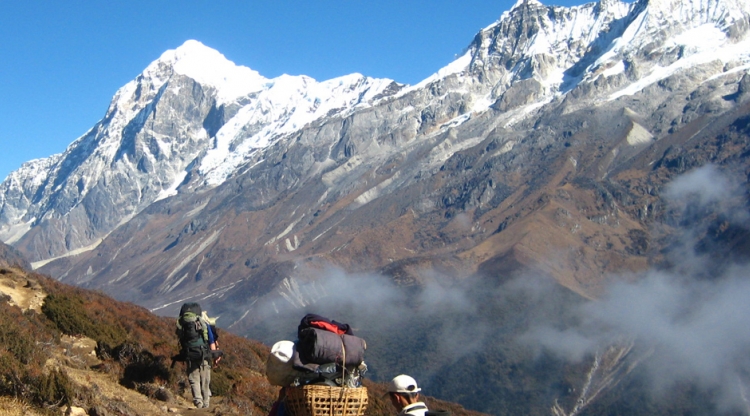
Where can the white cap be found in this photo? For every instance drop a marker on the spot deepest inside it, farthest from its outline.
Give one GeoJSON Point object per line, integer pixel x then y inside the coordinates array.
{"type": "Point", "coordinates": [283, 350]}
{"type": "Point", "coordinates": [403, 384]}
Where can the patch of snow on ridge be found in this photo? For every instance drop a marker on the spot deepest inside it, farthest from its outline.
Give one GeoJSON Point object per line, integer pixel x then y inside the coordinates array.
{"type": "Point", "coordinates": [9, 234]}
{"type": "Point", "coordinates": [457, 66]}
{"type": "Point", "coordinates": [615, 69]}
{"type": "Point", "coordinates": [209, 67]}
{"type": "Point", "coordinates": [37, 264]}
{"type": "Point", "coordinates": [188, 258]}
{"type": "Point", "coordinates": [639, 135]}
{"type": "Point", "coordinates": [713, 49]}
{"type": "Point", "coordinates": [734, 70]}
{"type": "Point", "coordinates": [172, 190]}
{"type": "Point", "coordinates": [481, 104]}
{"type": "Point", "coordinates": [699, 39]}
{"type": "Point", "coordinates": [374, 192]}
{"type": "Point", "coordinates": [285, 105]}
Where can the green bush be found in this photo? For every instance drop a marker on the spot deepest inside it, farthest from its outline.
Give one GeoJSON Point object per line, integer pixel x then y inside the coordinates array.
{"type": "Point", "coordinates": [69, 315]}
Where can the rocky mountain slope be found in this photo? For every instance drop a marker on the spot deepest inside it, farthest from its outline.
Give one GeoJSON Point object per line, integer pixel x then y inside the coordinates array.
{"type": "Point", "coordinates": [547, 149]}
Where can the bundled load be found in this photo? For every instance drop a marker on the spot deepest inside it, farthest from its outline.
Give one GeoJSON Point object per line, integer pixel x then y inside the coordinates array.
{"type": "Point", "coordinates": [322, 371]}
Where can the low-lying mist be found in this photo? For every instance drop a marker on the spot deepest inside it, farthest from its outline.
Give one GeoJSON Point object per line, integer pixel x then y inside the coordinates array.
{"type": "Point", "coordinates": [688, 318]}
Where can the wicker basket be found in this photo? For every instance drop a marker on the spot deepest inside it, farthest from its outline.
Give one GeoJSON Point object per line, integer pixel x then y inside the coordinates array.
{"type": "Point", "coordinates": [317, 400]}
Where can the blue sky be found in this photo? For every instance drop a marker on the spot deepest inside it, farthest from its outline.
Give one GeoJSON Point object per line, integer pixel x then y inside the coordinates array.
{"type": "Point", "coordinates": [62, 61]}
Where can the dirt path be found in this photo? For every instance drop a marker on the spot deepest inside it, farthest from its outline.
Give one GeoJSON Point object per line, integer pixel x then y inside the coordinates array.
{"type": "Point", "coordinates": [112, 392]}
{"type": "Point", "coordinates": [24, 292]}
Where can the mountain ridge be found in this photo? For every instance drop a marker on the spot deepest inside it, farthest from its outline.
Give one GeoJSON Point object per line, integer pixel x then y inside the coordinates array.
{"type": "Point", "coordinates": [537, 72]}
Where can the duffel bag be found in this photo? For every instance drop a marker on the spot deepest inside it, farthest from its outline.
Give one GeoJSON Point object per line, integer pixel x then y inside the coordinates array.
{"type": "Point", "coordinates": [319, 346]}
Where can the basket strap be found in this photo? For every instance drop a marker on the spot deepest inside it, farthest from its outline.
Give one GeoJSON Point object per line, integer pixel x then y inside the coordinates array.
{"type": "Point", "coordinates": [343, 366]}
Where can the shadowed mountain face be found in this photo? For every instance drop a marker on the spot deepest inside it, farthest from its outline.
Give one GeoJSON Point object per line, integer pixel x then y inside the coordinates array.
{"type": "Point", "coordinates": [9, 256]}
{"type": "Point", "coordinates": [568, 146]}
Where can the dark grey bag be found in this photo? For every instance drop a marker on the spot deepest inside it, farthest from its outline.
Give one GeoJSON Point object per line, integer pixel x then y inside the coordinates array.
{"type": "Point", "coordinates": [318, 346]}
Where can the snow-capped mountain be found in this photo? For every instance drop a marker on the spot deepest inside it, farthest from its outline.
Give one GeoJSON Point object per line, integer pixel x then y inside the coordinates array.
{"type": "Point", "coordinates": [193, 116]}
{"type": "Point", "coordinates": [191, 110]}
{"type": "Point", "coordinates": [546, 146]}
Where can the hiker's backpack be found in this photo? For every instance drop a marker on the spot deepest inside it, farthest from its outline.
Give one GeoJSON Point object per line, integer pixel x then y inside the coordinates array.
{"type": "Point", "coordinates": [192, 332]}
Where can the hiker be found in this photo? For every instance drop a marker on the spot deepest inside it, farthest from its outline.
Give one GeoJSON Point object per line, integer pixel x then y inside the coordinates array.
{"type": "Point", "coordinates": [192, 330]}
{"type": "Point", "coordinates": [404, 394]}
{"type": "Point", "coordinates": [213, 338]}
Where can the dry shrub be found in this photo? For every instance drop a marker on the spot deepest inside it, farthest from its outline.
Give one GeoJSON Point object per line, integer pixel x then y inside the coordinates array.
{"type": "Point", "coordinates": [12, 373]}
{"type": "Point", "coordinates": [23, 334]}
{"type": "Point", "coordinates": [10, 406]}
{"type": "Point", "coordinates": [251, 395]}
{"type": "Point", "coordinates": [140, 365]}
{"type": "Point", "coordinates": [27, 343]}
{"type": "Point", "coordinates": [54, 388]}
{"type": "Point", "coordinates": [221, 381]}
{"type": "Point", "coordinates": [155, 391]}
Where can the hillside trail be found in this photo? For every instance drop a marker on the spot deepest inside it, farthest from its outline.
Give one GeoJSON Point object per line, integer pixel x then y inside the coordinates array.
{"type": "Point", "coordinates": [76, 356]}
{"type": "Point", "coordinates": [82, 349]}
{"type": "Point", "coordinates": [24, 292]}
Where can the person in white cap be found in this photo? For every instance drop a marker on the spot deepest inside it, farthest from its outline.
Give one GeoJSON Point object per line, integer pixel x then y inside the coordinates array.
{"type": "Point", "coordinates": [404, 394]}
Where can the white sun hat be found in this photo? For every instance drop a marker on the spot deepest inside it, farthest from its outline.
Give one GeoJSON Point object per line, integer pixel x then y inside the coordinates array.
{"type": "Point", "coordinates": [403, 384]}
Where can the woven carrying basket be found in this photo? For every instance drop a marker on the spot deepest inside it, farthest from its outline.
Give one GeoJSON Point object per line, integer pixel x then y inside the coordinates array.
{"type": "Point", "coordinates": [316, 400]}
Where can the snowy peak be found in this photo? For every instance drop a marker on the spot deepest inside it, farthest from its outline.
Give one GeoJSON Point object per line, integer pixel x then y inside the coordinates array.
{"type": "Point", "coordinates": [190, 110]}
{"type": "Point", "coordinates": [665, 36]}
{"type": "Point", "coordinates": [194, 60]}
{"type": "Point", "coordinates": [555, 48]}
{"type": "Point", "coordinates": [527, 3]}
{"type": "Point", "coordinates": [209, 67]}
{"type": "Point", "coordinates": [534, 41]}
